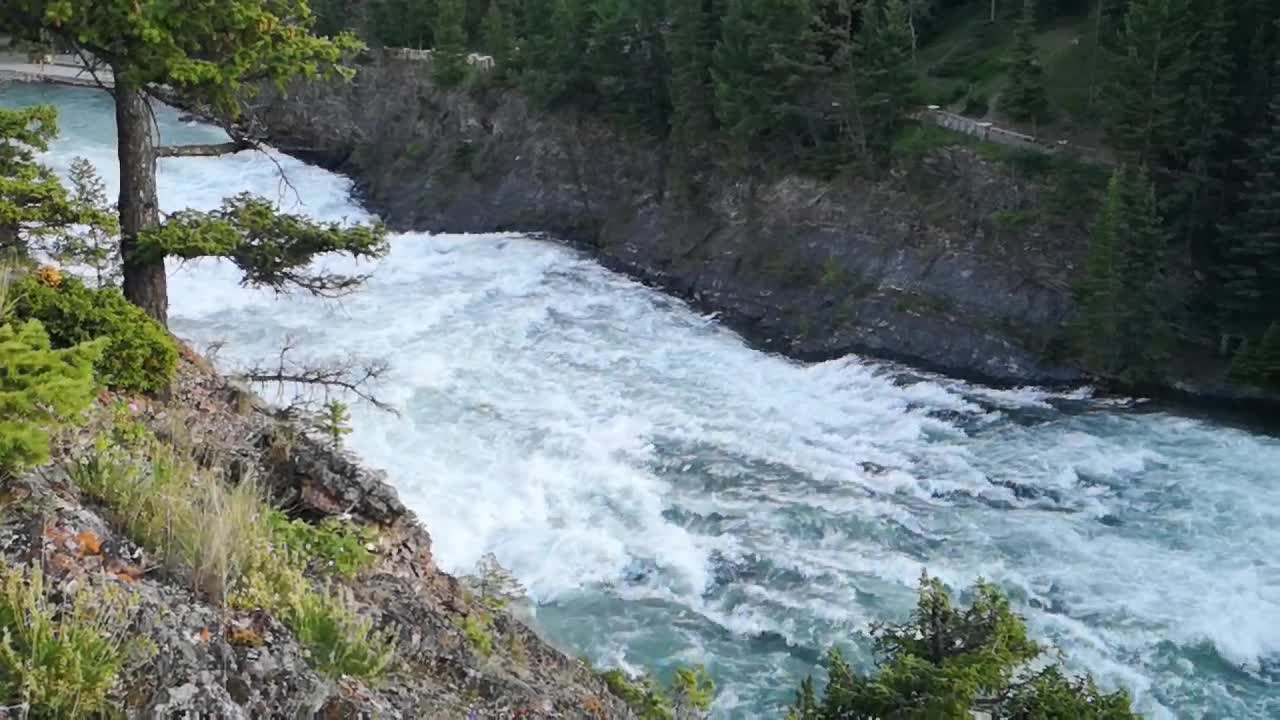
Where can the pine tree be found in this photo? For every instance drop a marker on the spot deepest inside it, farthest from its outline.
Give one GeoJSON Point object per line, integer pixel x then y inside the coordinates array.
{"type": "Point", "coordinates": [882, 73]}
{"type": "Point", "coordinates": [1099, 297]}
{"type": "Point", "coordinates": [35, 209]}
{"type": "Point", "coordinates": [1249, 270]}
{"type": "Point", "coordinates": [1149, 79]}
{"type": "Point", "coordinates": [1024, 98]}
{"type": "Point", "coordinates": [94, 247]}
{"type": "Point", "coordinates": [498, 41]}
{"type": "Point", "coordinates": [1144, 324]}
{"type": "Point", "coordinates": [449, 56]}
{"type": "Point", "coordinates": [1196, 195]}
{"type": "Point", "coordinates": [951, 661]}
{"type": "Point", "coordinates": [257, 41]}
{"type": "Point", "coordinates": [1259, 362]}
{"type": "Point", "coordinates": [41, 391]}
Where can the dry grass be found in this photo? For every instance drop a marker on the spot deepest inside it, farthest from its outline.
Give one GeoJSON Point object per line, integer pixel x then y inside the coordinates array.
{"type": "Point", "coordinates": [200, 526]}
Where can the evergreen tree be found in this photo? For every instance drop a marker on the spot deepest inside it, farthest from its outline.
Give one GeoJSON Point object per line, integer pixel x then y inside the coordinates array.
{"type": "Point", "coordinates": [1024, 98]}
{"type": "Point", "coordinates": [498, 41]}
{"type": "Point", "coordinates": [94, 247]}
{"type": "Point", "coordinates": [35, 208]}
{"type": "Point", "coordinates": [1149, 79]}
{"type": "Point", "coordinates": [1144, 324]}
{"type": "Point", "coordinates": [1249, 296]}
{"type": "Point", "coordinates": [1196, 194]}
{"type": "Point", "coordinates": [449, 57]}
{"type": "Point", "coordinates": [1099, 297]}
{"type": "Point", "coordinates": [41, 391]}
{"type": "Point", "coordinates": [954, 662]}
{"type": "Point", "coordinates": [1259, 362]}
{"type": "Point", "coordinates": [256, 41]}
{"type": "Point", "coordinates": [1123, 328]}
{"type": "Point", "coordinates": [401, 23]}
{"type": "Point", "coordinates": [882, 73]}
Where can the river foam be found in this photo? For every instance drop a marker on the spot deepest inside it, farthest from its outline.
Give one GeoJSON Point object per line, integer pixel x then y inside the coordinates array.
{"type": "Point", "coordinates": [670, 495]}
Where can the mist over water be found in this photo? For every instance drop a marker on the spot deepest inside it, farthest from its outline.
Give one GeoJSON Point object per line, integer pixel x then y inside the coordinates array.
{"type": "Point", "coordinates": [670, 496]}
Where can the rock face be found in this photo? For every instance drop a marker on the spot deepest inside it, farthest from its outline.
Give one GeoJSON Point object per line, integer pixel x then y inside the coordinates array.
{"type": "Point", "coordinates": [952, 262]}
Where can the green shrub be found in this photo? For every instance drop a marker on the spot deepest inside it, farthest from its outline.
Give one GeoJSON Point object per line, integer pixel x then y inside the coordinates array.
{"type": "Point", "coordinates": [948, 661]}
{"type": "Point", "coordinates": [338, 641]}
{"type": "Point", "coordinates": [644, 696]}
{"type": "Point", "coordinates": [479, 633]}
{"type": "Point", "coordinates": [336, 545]}
{"type": "Point", "coordinates": [61, 659]}
{"type": "Point", "coordinates": [139, 355]}
{"type": "Point", "coordinates": [41, 391]}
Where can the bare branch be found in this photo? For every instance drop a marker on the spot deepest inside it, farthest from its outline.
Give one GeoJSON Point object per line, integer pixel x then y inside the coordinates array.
{"type": "Point", "coordinates": [91, 64]}
{"type": "Point", "coordinates": [351, 374]}
{"type": "Point", "coordinates": [213, 150]}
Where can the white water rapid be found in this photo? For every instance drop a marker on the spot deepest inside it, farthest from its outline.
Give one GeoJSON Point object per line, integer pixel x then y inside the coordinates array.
{"type": "Point", "coordinates": [670, 496]}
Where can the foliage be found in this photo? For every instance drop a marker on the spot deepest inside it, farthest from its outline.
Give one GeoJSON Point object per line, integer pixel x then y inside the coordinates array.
{"type": "Point", "coordinates": [96, 247]}
{"type": "Point", "coordinates": [1259, 362]}
{"type": "Point", "coordinates": [1122, 330]}
{"type": "Point", "coordinates": [478, 629]}
{"type": "Point", "coordinates": [949, 662]}
{"type": "Point", "coordinates": [218, 56]}
{"type": "Point", "coordinates": [338, 641]}
{"type": "Point", "coordinates": [229, 544]}
{"type": "Point", "coordinates": [1024, 98]}
{"type": "Point", "coordinates": [139, 355]}
{"type": "Point", "coordinates": [41, 391]}
{"type": "Point", "coordinates": [272, 249]}
{"type": "Point", "coordinates": [643, 695]}
{"type": "Point", "coordinates": [213, 53]}
{"type": "Point", "coordinates": [334, 423]}
{"type": "Point", "coordinates": [692, 690]}
{"type": "Point", "coordinates": [61, 656]}
{"type": "Point", "coordinates": [449, 60]}
{"type": "Point", "coordinates": [35, 208]}
{"type": "Point", "coordinates": [337, 545]}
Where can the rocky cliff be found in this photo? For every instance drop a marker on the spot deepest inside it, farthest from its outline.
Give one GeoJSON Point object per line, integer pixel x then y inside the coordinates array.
{"type": "Point", "coordinates": [206, 659]}
{"type": "Point", "coordinates": [953, 261]}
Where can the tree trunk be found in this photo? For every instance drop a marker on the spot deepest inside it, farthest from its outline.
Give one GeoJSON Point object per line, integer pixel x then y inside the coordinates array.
{"type": "Point", "coordinates": [144, 284]}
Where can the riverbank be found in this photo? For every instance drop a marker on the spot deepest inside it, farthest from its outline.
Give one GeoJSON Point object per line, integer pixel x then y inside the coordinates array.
{"type": "Point", "coordinates": [961, 260]}
{"type": "Point", "coordinates": [454, 655]}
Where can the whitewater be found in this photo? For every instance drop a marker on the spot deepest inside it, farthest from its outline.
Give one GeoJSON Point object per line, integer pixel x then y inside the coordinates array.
{"type": "Point", "coordinates": [671, 496]}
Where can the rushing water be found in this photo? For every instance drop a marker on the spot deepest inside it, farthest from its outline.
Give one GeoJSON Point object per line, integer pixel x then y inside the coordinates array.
{"type": "Point", "coordinates": [670, 496]}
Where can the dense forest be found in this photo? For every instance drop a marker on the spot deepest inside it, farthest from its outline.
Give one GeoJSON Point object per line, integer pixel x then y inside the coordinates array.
{"type": "Point", "coordinates": [1177, 97]}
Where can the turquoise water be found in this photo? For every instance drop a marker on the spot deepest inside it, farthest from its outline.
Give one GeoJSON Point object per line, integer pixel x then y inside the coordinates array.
{"type": "Point", "coordinates": [670, 496]}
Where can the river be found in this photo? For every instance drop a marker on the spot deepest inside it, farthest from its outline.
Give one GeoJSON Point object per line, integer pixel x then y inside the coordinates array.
{"type": "Point", "coordinates": [671, 496]}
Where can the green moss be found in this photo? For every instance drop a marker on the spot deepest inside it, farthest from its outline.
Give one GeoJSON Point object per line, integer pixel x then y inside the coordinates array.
{"type": "Point", "coordinates": [139, 355]}
{"type": "Point", "coordinates": [339, 546]}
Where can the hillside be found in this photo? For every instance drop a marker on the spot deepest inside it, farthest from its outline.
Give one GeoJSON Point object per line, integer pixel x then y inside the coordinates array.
{"type": "Point", "coordinates": [1174, 288]}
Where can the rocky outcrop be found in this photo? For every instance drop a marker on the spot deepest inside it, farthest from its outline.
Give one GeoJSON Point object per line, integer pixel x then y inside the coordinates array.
{"type": "Point", "coordinates": [211, 661]}
{"type": "Point", "coordinates": [952, 262]}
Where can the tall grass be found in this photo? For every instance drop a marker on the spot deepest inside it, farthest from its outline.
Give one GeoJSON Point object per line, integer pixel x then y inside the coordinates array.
{"type": "Point", "coordinates": [219, 537]}
{"type": "Point", "coordinates": [61, 653]}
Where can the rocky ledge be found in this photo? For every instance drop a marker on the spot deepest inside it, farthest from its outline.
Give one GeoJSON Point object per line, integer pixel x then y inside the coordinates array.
{"type": "Point", "coordinates": [210, 660]}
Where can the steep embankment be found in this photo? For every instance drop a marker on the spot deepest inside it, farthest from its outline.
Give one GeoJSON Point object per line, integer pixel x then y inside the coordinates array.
{"type": "Point", "coordinates": [953, 261]}
{"type": "Point", "coordinates": [454, 655]}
